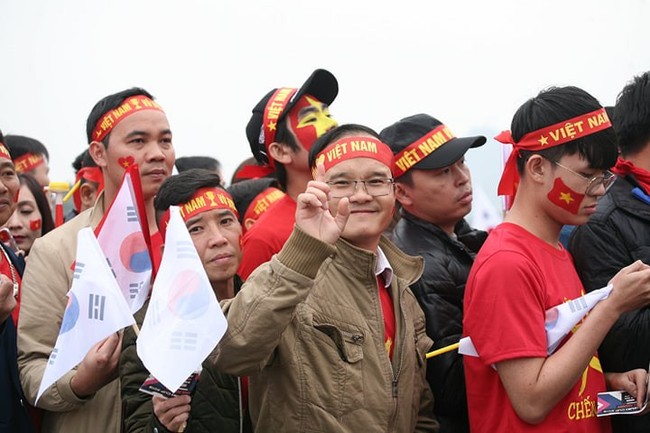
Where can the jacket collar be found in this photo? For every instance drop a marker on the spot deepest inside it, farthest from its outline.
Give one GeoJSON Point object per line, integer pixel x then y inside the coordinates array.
{"type": "Point", "coordinates": [621, 196]}
{"type": "Point", "coordinates": [362, 263]}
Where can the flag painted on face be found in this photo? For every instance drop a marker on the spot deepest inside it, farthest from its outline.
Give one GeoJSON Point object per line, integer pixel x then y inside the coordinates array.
{"type": "Point", "coordinates": [184, 321]}
{"type": "Point", "coordinates": [566, 198]}
{"type": "Point", "coordinates": [95, 310]}
{"type": "Point", "coordinates": [122, 240]}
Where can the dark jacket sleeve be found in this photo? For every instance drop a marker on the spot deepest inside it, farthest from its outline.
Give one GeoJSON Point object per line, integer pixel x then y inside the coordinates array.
{"type": "Point", "coordinates": [600, 250]}
{"type": "Point", "coordinates": [137, 408]}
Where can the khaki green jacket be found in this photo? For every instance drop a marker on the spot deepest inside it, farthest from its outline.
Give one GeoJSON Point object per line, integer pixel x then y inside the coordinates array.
{"type": "Point", "coordinates": [47, 279]}
{"type": "Point", "coordinates": [307, 328]}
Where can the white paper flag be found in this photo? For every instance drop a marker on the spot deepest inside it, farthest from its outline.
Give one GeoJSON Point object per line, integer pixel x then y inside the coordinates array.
{"type": "Point", "coordinates": [559, 320]}
{"type": "Point", "coordinates": [184, 321]}
{"type": "Point", "coordinates": [121, 239]}
{"type": "Point", "coordinates": [96, 309]}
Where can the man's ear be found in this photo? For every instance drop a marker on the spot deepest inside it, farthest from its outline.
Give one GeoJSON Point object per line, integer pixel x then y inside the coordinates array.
{"type": "Point", "coordinates": [402, 194]}
{"type": "Point", "coordinates": [536, 168]}
{"type": "Point", "coordinates": [281, 152]}
{"type": "Point", "coordinates": [97, 151]}
{"type": "Point", "coordinates": [88, 194]}
{"type": "Point", "coordinates": [248, 223]}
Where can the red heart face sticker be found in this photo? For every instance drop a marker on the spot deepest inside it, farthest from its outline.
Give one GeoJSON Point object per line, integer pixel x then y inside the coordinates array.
{"type": "Point", "coordinates": [126, 162]}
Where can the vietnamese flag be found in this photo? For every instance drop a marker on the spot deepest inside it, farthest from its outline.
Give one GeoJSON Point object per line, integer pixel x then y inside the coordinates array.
{"type": "Point", "coordinates": [564, 197]}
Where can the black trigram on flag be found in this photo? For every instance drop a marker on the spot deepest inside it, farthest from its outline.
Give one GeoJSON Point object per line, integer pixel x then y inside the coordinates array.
{"type": "Point", "coordinates": [96, 305]}
{"type": "Point", "coordinates": [185, 249]}
{"type": "Point", "coordinates": [78, 269]}
{"type": "Point", "coordinates": [134, 289]}
{"type": "Point", "coordinates": [111, 267]}
{"type": "Point", "coordinates": [131, 214]}
{"type": "Point", "coordinates": [53, 356]}
{"type": "Point", "coordinates": [184, 340]}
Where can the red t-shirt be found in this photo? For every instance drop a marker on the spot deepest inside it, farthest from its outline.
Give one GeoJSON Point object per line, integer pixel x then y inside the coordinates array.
{"type": "Point", "coordinates": [516, 277]}
{"type": "Point", "coordinates": [267, 236]}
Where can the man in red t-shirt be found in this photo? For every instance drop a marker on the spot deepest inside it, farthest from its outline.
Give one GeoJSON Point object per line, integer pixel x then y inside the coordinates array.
{"type": "Point", "coordinates": [282, 129]}
{"type": "Point", "coordinates": [563, 145]}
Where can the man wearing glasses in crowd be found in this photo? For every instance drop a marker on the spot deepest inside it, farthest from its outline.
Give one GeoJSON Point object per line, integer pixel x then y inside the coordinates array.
{"type": "Point", "coordinates": [563, 145]}
{"type": "Point", "coordinates": [328, 331]}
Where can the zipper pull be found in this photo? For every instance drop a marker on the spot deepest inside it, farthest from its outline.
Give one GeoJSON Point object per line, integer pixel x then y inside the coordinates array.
{"type": "Point", "coordinates": [394, 388]}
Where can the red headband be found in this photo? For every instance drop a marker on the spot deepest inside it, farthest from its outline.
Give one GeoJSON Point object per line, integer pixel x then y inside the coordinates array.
{"type": "Point", "coordinates": [130, 105]}
{"type": "Point", "coordinates": [420, 149]}
{"type": "Point", "coordinates": [272, 112]}
{"type": "Point", "coordinates": [545, 138]}
{"type": "Point", "coordinates": [4, 153]}
{"type": "Point", "coordinates": [262, 202]}
{"type": "Point", "coordinates": [28, 162]}
{"type": "Point", "coordinates": [206, 199]}
{"type": "Point", "coordinates": [354, 147]}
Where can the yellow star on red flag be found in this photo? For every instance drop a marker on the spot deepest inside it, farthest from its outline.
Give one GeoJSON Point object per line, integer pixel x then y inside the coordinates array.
{"type": "Point", "coordinates": [566, 197]}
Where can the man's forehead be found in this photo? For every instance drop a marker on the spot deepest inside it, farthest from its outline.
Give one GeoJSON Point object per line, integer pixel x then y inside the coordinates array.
{"type": "Point", "coordinates": [208, 214]}
{"type": "Point", "coordinates": [144, 122]}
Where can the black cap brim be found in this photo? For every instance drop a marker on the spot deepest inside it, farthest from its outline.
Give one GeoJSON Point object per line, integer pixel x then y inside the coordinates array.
{"type": "Point", "coordinates": [321, 84]}
{"type": "Point", "coordinates": [449, 153]}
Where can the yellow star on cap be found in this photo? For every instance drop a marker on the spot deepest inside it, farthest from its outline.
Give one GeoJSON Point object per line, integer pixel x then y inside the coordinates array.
{"type": "Point", "coordinates": [543, 140]}
{"type": "Point", "coordinates": [566, 196]}
{"type": "Point", "coordinates": [271, 126]}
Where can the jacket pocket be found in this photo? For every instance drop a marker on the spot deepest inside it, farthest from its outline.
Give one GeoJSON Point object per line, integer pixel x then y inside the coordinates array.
{"type": "Point", "coordinates": [340, 370]}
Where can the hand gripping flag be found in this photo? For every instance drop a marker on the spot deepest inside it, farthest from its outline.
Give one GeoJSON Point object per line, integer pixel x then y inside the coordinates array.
{"type": "Point", "coordinates": [560, 320]}
{"type": "Point", "coordinates": [124, 240]}
{"type": "Point", "coordinates": [96, 309]}
{"type": "Point", "coordinates": [184, 321]}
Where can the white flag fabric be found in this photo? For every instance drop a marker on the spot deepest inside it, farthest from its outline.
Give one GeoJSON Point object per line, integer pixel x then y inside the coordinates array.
{"type": "Point", "coordinates": [560, 320]}
{"type": "Point", "coordinates": [121, 239]}
{"type": "Point", "coordinates": [485, 215]}
{"type": "Point", "coordinates": [96, 309]}
{"type": "Point", "coordinates": [184, 321]}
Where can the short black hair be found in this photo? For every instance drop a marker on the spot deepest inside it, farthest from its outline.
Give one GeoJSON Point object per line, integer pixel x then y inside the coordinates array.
{"type": "Point", "coordinates": [42, 203]}
{"type": "Point", "coordinates": [179, 189]}
{"type": "Point", "coordinates": [632, 115]}
{"type": "Point", "coordinates": [245, 191]}
{"type": "Point", "coordinates": [19, 145]}
{"type": "Point", "coordinates": [557, 104]}
{"type": "Point", "coordinates": [108, 103]}
{"type": "Point", "coordinates": [83, 160]}
{"type": "Point", "coordinates": [334, 134]}
{"type": "Point", "coordinates": [185, 163]}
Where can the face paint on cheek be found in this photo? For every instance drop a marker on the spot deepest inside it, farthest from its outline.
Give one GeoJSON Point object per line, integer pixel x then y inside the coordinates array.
{"type": "Point", "coordinates": [126, 161]}
{"type": "Point", "coordinates": [566, 198]}
{"type": "Point", "coordinates": [312, 125]}
{"type": "Point", "coordinates": [35, 224]}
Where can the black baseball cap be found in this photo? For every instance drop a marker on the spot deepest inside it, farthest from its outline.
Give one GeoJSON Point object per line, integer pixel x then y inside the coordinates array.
{"type": "Point", "coordinates": [413, 128]}
{"type": "Point", "coordinates": [321, 84]}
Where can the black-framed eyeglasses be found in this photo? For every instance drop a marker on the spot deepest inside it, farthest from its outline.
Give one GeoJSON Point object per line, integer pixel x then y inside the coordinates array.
{"type": "Point", "coordinates": [375, 187]}
{"type": "Point", "coordinates": [593, 183]}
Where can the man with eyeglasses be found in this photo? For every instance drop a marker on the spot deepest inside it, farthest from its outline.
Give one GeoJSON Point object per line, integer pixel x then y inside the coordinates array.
{"type": "Point", "coordinates": [433, 186]}
{"type": "Point", "coordinates": [619, 234]}
{"type": "Point", "coordinates": [328, 331]}
{"type": "Point", "coordinates": [563, 144]}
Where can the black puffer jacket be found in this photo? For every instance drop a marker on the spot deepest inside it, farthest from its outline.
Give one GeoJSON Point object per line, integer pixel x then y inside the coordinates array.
{"type": "Point", "coordinates": [615, 236]}
{"type": "Point", "coordinates": [215, 405]}
{"type": "Point", "coordinates": [440, 293]}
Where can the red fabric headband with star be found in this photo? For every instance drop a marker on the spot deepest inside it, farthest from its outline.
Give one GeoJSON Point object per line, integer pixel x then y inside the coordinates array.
{"type": "Point", "coordinates": [547, 137]}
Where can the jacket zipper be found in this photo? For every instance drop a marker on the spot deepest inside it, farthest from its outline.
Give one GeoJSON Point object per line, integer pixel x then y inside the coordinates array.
{"type": "Point", "coordinates": [241, 406]}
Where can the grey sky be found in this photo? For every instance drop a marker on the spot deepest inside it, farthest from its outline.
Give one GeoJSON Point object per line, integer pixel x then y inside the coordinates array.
{"type": "Point", "coordinates": [471, 63]}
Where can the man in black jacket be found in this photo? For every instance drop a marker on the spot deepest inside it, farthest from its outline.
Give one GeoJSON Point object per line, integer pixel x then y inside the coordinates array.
{"type": "Point", "coordinates": [618, 234]}
{"type": "Point", "coordinates": [219, 402]}
{"type": "Point", "coordinates": [433, 186]}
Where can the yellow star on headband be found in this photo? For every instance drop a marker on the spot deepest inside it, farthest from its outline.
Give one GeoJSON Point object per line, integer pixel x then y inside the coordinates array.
{"type": "Point", "coordinates": [543, 140]}
{"type": "Point", "coordinates": [271, 126]}
{"type": "Point", "coordinates": [566, 196]}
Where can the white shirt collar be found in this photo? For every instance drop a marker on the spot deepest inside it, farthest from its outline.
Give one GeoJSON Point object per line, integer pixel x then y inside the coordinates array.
{"type": "Point", "coordinates": [383, 267]}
